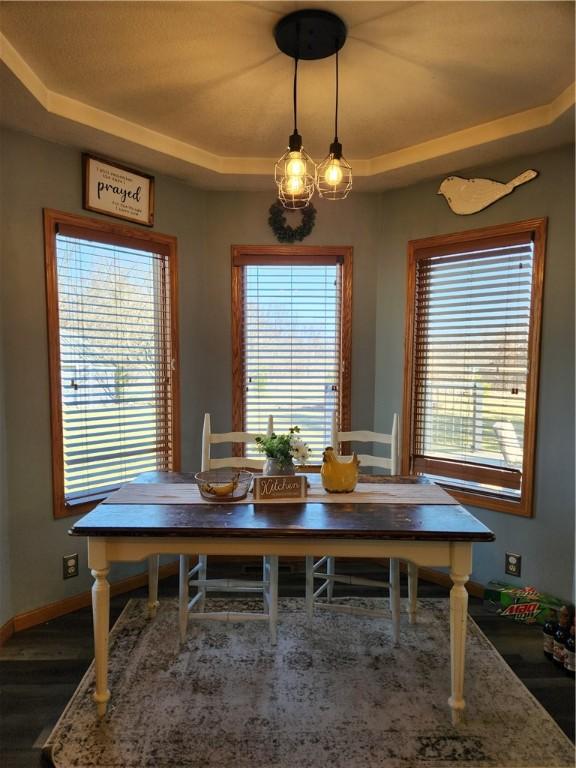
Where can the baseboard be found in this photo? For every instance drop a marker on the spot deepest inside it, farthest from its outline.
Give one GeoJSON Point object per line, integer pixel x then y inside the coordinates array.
{"type": "Point", "coordinates": [6, 631]}
{"type": "Point", "coordinates": [70, 604]}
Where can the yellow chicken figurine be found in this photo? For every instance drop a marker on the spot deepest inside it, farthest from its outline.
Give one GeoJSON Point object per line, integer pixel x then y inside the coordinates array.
{"type": "Point", "coordinates": [339, 473]}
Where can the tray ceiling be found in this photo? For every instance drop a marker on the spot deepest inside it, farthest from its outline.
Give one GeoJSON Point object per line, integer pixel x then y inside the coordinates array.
{"type": "Point", "coordinates": [199, 88]}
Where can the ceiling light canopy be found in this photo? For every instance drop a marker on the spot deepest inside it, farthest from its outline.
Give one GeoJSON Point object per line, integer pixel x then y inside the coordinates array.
{"type": "Point", "coordinates": [311, 34]}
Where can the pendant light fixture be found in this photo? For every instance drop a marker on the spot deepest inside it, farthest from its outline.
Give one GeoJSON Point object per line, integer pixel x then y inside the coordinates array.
{"type": "Point", "coordinates": [334, 174]}
{"type": "Point", "coordinates": [295, 172]}
{"type": "Point", "coordinates": [310, 34]}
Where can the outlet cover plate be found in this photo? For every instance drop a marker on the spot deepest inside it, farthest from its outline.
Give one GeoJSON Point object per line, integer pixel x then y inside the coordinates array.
{"type": "Point", "coordinates": [70, 566]}
{"type": "Point", "coordinates": [513, 564]}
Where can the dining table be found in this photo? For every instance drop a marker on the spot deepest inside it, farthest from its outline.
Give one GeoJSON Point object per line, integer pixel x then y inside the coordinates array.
{"type": "Point", "coordinates": [401, 518]}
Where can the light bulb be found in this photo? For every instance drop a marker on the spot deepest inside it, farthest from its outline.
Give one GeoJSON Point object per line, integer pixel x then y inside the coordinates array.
{"type": "Point", "coordinates": [333, 173]}
{"type": "Point", "coordinates": [293, 185]}
{"type": "Point", "coordinates": [295, 165]}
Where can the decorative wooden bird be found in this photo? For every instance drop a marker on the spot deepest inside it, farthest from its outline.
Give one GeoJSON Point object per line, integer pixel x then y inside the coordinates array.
{"type": "Point", "coordinates": [465, 196]}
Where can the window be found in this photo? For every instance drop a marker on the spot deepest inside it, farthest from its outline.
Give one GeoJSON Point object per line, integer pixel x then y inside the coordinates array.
{"type": "Point", "coordinates": [472, 342]}
{"type": "Point", "coordinates": [113, 356]}
{"type": "Point", "coordinates": [291, 314]}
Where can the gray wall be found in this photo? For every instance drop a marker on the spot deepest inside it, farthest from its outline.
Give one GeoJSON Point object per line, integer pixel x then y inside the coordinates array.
{"type": "Point", "coordinates": [545, 541]}
{"type": "Point", "coordinates": [6, 611]}
{"type": "Point", "coordinates": [5, 576]}
{"type": "Point", "coordinates": [38, 174]}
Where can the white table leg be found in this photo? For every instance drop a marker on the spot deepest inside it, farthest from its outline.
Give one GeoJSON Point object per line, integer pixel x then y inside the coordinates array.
{"type": "Point", "coordinates": [412, 592]}
{"type": "Point", "coordinates": [461, 565]}
{"type": "Point", "coordinates": [101, 617]}
{"type": "Point", "coordinates": [395, 598]}
{"type": "Point", "coordinates": [153, 567]}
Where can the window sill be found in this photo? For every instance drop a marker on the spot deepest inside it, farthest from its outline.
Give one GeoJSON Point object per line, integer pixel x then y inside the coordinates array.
{"type": "Point", "coordinates": [492, 501]}
{"type": "Point", "coordinates": [95, 498]}
{"type": "Point", "coordinates": [76, 507]}
{"type": "Point", "coordinates": [73, 510]}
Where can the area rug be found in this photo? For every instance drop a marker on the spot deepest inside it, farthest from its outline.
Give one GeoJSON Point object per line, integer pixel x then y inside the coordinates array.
{"type": "Point", "coordinates": [337, 695]}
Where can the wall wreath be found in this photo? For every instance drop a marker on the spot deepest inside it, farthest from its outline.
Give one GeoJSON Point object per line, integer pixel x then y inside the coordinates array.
{"type": "Point", "coordinates": [283, 231]}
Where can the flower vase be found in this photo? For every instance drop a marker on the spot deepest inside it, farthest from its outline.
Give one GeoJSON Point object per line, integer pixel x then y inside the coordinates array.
{"type": "Point", "coordinates": [273, 467]}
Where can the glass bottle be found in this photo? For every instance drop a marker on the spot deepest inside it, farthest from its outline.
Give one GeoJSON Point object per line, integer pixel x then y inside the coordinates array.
{"type": "Point", "coordinates": [548, 632]}
{"type": "Point", "coordinates": [560, 637]}
{"type": "Point", "coordinates": [569, 662]}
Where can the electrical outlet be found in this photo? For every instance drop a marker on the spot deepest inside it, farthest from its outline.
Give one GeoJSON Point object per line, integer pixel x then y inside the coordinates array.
{"type": "Point", "coordinates": [70, 566]}
{"type": "Point", "coordinates": [513, 564]}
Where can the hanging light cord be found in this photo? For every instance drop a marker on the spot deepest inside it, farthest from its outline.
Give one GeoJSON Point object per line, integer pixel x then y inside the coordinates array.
{"type": "Point", "coordinates": [336, 112]}
{"type": "Point", "coordinates": [295, 91]}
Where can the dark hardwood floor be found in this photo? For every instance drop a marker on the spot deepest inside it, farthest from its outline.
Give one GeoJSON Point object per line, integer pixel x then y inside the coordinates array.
{"type": "Point", "coordinates": [41, 667]}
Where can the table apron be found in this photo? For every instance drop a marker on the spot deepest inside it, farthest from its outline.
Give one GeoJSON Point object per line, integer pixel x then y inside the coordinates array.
{"type": "Point", "coordinates": [102, 551]}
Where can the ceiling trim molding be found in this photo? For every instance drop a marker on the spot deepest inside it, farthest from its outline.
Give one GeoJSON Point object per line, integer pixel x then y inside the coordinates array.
{"type": "Point", "coordinates": [23, 71]}
{"type": "Point", "coordinates": [502, 128]}
{"type": "Point", "coordinates": [100, 120]}
{"type": "Point", "coordinates": [79, 112]}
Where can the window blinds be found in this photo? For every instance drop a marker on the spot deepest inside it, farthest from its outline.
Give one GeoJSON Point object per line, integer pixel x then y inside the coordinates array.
{"type": "Point", "coordinates": [292, 348]}
{"type": "Point", "coordinates": [472, 326]}
{"type": "Point", "coordinates": [115, 361]}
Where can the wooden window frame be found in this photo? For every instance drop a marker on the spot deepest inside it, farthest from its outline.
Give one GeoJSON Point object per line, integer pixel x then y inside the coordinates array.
{"type": "Point", "coordinates": [114, 234]}
{"type": "Point", "coordinates": [244, 255]}
{"type": "Point", "coordinates": [422, 248]}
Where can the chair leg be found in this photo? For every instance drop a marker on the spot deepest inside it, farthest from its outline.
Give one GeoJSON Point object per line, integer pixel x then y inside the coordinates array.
{"type": "Point", "coordinates": [203, 560]}
{"type": "Point", "coordinates": [153, 565]}
{"type": "Point", "coordinates": [412, 591]}
{"type": "Point", "coordinates": [330, 570]}
{"type": "Point", "coordinates": [183, 593]}
{"type": "Point", "coordinates": [266, 582]}
{"type": "Point", "coordinates": [273, 596]}
{"type": "Point", "coordinates": [309, 587]}
{"type": "Point", "coordinates": [395, 598]}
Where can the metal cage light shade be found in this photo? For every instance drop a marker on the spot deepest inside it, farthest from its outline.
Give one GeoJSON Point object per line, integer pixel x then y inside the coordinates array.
{"type": "Point", "coordinates": [295, 175]}
{"type": "Point", "coordinates": [334, 174]}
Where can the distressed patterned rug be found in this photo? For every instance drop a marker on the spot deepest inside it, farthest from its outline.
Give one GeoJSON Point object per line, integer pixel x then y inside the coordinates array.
{"type": "Point", "coordinates": [338, 695]}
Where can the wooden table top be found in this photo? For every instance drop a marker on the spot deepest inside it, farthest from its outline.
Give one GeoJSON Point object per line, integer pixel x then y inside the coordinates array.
{"type": "Point", "coordinates": [415, 522]}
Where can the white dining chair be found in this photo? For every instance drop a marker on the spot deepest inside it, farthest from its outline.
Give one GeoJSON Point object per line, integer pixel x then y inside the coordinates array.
{"type": "Point", "coordinates": [324, 569]}
{"type": "Point", "coordinates": [197, 578]}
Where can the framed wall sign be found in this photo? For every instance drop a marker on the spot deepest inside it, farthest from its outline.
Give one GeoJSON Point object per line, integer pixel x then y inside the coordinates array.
{"type": "Point", "coordinates": [117, 191]}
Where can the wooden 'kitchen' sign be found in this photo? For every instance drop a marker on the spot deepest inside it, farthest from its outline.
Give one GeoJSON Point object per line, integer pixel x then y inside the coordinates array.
{"type": "Point", "coordinates": [280, 487]}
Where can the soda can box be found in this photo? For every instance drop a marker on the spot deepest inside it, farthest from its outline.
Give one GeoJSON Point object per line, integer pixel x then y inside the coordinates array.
{"type": "Point", "coordinates": [524, 604]}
